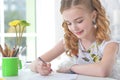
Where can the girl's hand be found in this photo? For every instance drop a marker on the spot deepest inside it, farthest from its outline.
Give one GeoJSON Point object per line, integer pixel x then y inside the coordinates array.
{"type": "Point", "coordinates": [44, 68]}
{"type": "Point", "coordinates": [64, 70]}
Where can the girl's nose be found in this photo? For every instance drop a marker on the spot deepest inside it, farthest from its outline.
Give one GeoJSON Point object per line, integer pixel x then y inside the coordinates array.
{"type": "Point", "coordinates": [75, 27]}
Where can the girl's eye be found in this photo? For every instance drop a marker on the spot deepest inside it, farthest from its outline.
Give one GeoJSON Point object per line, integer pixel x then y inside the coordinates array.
{"type": "Point", "coordinates": [68, 23]}
{"type": "Point", "coordinates": [80, 21]}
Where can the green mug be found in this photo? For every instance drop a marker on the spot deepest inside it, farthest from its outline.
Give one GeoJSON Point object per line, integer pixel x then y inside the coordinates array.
{"type": "Point", "coordinates": [10, 66]}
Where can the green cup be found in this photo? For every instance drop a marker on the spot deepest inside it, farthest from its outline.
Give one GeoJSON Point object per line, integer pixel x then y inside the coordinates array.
{"type": "Point", "coordinates": [10, 66]}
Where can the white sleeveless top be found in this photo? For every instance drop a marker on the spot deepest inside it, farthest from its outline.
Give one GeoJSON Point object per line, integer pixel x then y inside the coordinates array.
{"type": "Point", "coordinates": [94, 54]}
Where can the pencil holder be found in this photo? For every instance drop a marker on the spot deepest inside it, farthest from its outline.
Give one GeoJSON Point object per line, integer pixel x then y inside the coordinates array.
{"type": "Point", "coordinates": [10, 66]}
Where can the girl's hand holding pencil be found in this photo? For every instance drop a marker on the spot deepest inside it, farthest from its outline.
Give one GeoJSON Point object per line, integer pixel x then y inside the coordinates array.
{"type": "Point", "coordinates": [44, 68]}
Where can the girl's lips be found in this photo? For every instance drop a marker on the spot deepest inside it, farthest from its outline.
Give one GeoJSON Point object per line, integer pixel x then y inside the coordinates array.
{"type": "Point", "coordinates": [79, 33]}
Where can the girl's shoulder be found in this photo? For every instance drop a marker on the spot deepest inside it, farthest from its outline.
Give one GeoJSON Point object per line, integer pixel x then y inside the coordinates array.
{"type": "Point", "coordinates": [104, 43]}
{"type": "Point", "coordinates": [110, 41]}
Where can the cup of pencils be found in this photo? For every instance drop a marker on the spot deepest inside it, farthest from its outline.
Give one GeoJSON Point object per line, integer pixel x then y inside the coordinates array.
{"type": "Point", "coordinates": [10, 61]}
{"type": "Point", "coordinates": [7, 52]}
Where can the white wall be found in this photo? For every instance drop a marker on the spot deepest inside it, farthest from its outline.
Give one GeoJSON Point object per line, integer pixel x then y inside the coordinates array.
{"type": "Point", "coordinates": [45, 22]}
{"type": "Point", "coordinates": [113, 10]}
{"type": "Point", "coordinates": [58, 21]}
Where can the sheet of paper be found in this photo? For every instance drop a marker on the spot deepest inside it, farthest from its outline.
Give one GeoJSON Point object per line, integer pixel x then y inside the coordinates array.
{"type": "Point", "coordinates": [27, 74]}
{"type": "Point", "coordinates": [54, 76]}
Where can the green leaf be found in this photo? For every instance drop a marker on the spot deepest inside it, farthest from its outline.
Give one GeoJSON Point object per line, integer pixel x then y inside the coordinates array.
{"type": "Point", "coordinates": [24, 23]}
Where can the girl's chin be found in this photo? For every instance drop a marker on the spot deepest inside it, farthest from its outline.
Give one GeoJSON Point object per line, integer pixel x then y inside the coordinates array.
{"type": "Point", "coordinates": [80, 36]}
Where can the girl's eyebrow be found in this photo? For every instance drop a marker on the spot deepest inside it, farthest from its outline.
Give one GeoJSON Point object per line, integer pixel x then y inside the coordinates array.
{"type": "Point", "coordinates": [78, 18]}
{"type": "Point", "coordinates": [74, 19]}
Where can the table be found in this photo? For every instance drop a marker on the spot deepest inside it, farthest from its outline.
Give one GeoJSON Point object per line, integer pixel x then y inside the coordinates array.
{"type": "Point", "coordinates": [27, 74]}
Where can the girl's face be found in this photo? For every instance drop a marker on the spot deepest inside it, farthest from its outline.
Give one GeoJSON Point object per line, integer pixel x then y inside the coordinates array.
{"type": "Point", "coordinates": [79, 22]}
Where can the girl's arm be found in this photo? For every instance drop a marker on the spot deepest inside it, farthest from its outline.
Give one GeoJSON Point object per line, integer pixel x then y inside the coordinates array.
{"type": "Point", "coordinates": [57, 50]}
{"type": "Point", "coordinates": [102, 68]}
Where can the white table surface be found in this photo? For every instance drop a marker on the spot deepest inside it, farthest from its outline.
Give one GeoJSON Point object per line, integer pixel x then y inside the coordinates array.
{"type": "Point", "coordinates": [27, 74]}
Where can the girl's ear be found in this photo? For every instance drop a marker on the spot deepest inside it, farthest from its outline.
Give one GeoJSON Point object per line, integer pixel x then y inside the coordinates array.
{"type": "Point", "coordinates": [94, 15]}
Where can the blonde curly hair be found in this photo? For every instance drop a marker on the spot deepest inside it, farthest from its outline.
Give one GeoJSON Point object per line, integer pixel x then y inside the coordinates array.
{"type": "Point", "coordinates": [102, 23]}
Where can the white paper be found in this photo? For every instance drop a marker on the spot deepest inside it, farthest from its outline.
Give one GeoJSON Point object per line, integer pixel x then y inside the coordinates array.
{"type": "Point", "coordinates": [54, 76]}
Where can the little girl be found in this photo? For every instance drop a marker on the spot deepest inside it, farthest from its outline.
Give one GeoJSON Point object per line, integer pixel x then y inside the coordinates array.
{"type": "Point", "coordinates": [86, 38]}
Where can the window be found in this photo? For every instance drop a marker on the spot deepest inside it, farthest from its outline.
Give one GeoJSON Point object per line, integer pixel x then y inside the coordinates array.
{"type": "Point", "coordinates": [25, 10]}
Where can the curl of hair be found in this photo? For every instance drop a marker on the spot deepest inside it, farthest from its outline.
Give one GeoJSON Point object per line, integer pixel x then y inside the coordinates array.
{"type": "Point", "coordinates": [71, 41]}
{"type": "Point", "coordinates": [102, 22]}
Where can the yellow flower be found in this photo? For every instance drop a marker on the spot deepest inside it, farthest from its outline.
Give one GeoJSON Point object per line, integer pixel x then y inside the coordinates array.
{"type": "Point", "coordinates": [19, 26]}
{"type": "Point", "coordinates": [14, 23]}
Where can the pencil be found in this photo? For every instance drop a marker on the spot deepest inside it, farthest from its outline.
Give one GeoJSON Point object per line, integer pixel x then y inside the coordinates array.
{"type": "Point", "coordinates": [41, 60]}
{"type": "Point", "coordinates": [12, 52]}
{"type": "Point", "coordinates": [21, 51]}
{"type": "Point", "coordinates": [16, 52]}
{"type": "Point", "coordinates": [1, 50]}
